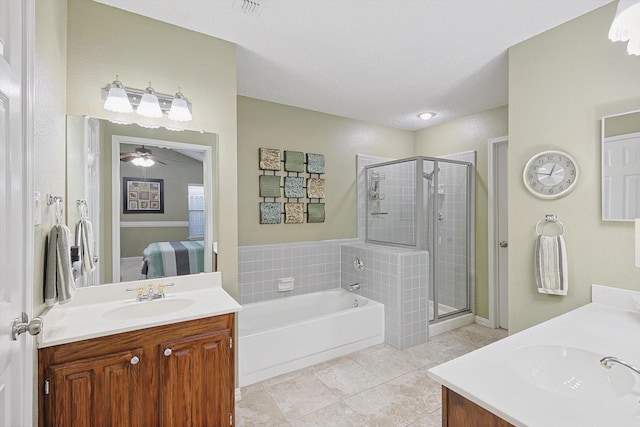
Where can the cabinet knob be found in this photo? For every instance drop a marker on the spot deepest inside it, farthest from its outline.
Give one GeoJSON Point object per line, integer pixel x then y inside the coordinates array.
{"type": "Point", "coordinates": [135, 360]}
{"type": "Point", "coordinates": [167, 352]}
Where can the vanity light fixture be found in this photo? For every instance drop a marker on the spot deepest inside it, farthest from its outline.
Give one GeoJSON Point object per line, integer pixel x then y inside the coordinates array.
{"type": "Point", "coordinates": [147, 103]}
{"type": "Point", "coordinates": [626, 25]}
{"type": "Point", "coordinates": [117, 99]}
{"type": "Point", "coordinates": [179, 108]}
{"type": "Point", "coordinates": [427, 115]}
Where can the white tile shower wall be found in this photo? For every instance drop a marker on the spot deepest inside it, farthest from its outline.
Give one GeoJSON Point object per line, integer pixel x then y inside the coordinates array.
{"type": "Point", "coordinates": [315, 266]}
{"type": "Point", "coordinates": [396, 277]}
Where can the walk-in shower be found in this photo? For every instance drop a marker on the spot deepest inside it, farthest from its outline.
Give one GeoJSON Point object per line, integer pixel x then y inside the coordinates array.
{"type": "Point", "coordinates": [427, 203]}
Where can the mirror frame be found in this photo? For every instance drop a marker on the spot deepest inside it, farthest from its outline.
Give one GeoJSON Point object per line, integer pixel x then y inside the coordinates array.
{"type": "Point", "coordinates": [602, 166]}
{"type": "Point", "coordinates": [116, 189]}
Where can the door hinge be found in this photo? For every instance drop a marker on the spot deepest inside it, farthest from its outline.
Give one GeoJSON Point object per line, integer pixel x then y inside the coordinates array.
{"type": "Point", "coordinates": [230, 419]}
{"type": "Point", "coordinates": [230, 342]}
{"type": "Point", "coordinates": [46, 386]}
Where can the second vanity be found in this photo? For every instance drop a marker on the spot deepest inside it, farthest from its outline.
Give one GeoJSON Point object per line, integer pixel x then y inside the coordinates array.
{"type": "Point", "coordinates": [105, 359]}
{"type": "Point", "coordinates": [550, 374]}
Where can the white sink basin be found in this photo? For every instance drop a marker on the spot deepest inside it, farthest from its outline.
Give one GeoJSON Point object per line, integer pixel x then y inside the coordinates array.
{"type": "Point", "coordinates": [571, 372]}
{"type": "Point", "coordinates": [139, 310]}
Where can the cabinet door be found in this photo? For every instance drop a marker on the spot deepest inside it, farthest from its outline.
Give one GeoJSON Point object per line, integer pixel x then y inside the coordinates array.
{"type": "Point", "coordinates": [96, 391]}
{"type": "Point", "coordinates": [196, 381]}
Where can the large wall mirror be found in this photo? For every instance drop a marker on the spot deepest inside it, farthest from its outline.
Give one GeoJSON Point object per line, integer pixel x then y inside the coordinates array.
{"type": "Point", "coordinates": [149, 221]}
{"type": "Point", "coordinates": [621, 166]}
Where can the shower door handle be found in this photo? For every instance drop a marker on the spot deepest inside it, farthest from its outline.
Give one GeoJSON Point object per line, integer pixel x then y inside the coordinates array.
{"type": "Point", "coordinates": [503, 244]}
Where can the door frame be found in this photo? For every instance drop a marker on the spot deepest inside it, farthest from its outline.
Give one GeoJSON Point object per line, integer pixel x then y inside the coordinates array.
{"type": "Point", "coordinates": [494, 294]}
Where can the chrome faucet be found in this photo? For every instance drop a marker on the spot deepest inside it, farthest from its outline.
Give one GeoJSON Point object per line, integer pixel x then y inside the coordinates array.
{"type": "Point", "coordinates": [607, 361]}
{"type": "Point", "coordinates": [354, 287]}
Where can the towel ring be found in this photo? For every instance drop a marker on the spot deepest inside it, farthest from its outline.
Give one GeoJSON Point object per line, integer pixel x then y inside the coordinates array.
{"type": "Point", "coordinates": [549, 220]}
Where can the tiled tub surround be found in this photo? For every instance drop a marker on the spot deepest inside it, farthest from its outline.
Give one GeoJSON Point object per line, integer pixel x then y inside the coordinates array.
{"type": "Point", "coordinates": [396, 277]}
{"type": "Point", "coordinates": [315, 266]}
{"type": "Point", "coordinates": [282, 335]}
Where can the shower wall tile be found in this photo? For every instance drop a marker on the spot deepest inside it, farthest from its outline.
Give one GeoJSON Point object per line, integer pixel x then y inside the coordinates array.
{"type": "Point", "coordinates": [315, 266]}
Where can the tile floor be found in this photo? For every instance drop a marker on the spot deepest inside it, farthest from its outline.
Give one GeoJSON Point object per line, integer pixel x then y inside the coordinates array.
{"type": "Point", "coordinates": [377, 386]}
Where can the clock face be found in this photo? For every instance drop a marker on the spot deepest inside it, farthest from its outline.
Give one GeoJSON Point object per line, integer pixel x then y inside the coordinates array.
{"type": "Point", "coordinates": [551, 174]}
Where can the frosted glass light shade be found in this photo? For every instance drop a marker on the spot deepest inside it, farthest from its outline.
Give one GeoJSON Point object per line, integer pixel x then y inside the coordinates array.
{"type": "Point", "coordinates": [149, 106]}
{"type": "Point", "coordinates": [180, 109]}
{"type": "Point", "coordinates": [144, 162]}
{"type": "Point", "coordinates": [117, 99]}
{"type": "Point", "coordinates": [626, 25]}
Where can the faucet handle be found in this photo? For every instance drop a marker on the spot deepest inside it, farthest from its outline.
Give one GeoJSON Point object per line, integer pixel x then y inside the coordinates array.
{"type": "Point", "coordinates": [161, 290]}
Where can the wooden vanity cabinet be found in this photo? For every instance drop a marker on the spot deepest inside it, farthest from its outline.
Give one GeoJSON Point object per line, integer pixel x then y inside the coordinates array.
{"type": "Point", "coordinates": [458, 411]}
{"type": "Point", "coordinates": [173, 375]}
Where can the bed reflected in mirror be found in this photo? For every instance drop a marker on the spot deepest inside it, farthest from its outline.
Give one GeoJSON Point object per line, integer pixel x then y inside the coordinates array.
{"type": "Point", "coordinates": [149, 195]}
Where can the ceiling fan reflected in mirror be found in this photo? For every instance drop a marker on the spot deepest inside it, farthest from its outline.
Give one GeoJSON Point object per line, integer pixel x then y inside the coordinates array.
{"type": "Point", "coordinates": [140, 157]}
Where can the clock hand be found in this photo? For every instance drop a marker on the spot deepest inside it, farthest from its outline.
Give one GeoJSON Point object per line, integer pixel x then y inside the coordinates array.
{"type": "Point", "coordinates": [552, 169]}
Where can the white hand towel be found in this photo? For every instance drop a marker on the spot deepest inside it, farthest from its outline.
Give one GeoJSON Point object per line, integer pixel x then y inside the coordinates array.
{"type": "Point", "coordinates": [84, 241]}
{"type": "Point", "coordinates": [58, 285]}
{"type": "Point", "coordinates": [551, 265]}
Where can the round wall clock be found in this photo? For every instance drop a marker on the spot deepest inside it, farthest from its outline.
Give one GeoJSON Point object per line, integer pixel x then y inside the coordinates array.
{"type": "Point", "coordinates": [551, 174]}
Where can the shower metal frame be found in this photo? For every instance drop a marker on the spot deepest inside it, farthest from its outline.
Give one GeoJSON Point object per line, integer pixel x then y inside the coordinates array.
{"type": "Point", "coordinates": [421, 242]}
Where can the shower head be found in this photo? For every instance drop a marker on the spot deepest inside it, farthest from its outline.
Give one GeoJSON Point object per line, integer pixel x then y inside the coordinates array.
{"type": "Point", "coordinates": [429, 176]}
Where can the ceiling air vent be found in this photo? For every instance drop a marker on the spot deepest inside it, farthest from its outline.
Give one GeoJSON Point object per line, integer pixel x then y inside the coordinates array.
{"type": "Point", "coordinates": [249, 7]}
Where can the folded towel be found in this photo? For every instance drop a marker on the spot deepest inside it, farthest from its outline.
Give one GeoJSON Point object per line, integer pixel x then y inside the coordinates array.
{"type": "Point", "coordinates": [58, 280]}
{"type": "Point", "coordinates": [84, 241]}
{"type": "Point", "coordinates": [551, 265]}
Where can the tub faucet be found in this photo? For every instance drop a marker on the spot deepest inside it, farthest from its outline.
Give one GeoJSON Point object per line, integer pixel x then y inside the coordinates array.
{"type": "Point", "coordinates": [607, 361]}
{"type": "Point", "coordinates": [354, 287]}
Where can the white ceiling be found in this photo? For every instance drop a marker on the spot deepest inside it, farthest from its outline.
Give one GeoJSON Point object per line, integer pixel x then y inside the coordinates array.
{"type": "Point", "coordinates": [381, 61]}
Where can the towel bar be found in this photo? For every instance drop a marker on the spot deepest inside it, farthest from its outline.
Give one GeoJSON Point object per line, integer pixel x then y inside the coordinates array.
{"type": "Point", "coordinates": [553, 218]}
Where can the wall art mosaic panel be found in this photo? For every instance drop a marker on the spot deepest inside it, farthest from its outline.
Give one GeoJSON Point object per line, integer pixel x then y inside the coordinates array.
{"type": "Point", "coordinates": [301, 173]}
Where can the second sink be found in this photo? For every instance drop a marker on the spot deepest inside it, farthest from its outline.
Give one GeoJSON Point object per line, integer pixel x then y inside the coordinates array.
{"type": "Point", "coordinates": [570, 372]}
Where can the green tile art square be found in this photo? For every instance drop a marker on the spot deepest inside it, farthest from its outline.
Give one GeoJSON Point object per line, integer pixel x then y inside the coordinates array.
{"type": "Point", "coordinates": [270, 186]}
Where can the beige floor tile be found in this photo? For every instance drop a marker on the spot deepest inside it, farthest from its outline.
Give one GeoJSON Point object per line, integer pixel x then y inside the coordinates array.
{"type": "Point", "coordinates": [382, 406]}
{"type": "Point", "coordinates": [301, 395]}
{"type": "Point", "coordinates": [257, 408]}
{"type": "Point", "coordinates": [338, 415]}
{"type": "Point", "coordinates": [431, 420]}
{"type": "Point", "coordinates": [378, 386]}
{"type": "Point", "coordinates": [419, 387]}
{"type": "Point", "coordinates": [347, 378]}
{"type": "Point", "coordinates": [387, 363]}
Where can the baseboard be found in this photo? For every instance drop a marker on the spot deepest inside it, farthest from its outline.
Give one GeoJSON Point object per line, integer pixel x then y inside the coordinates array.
{"type": "Point", "coordinates": [483, 322]}
{"type": "Point", "coordinates": [238, 395]}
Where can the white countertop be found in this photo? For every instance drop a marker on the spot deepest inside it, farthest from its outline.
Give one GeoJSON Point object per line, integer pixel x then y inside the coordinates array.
{"type": "Point", "coordinates": [86, 315]}
{"type": "Point", "coordinates": [609, 326]}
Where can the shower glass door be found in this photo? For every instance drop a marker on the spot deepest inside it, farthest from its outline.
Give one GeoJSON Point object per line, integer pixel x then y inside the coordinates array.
{"type": "Point", "coordinates": [447, 196]}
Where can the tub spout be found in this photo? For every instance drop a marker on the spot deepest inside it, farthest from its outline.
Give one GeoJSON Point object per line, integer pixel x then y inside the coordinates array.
{"type": "Point", "coordinates": [354, 287]}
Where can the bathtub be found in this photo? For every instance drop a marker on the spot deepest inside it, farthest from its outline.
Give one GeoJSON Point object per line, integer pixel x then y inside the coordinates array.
{"type": "Point", "coordinates": [282, 335]}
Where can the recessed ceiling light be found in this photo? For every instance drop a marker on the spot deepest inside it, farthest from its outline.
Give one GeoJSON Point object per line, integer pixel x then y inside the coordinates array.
{"type": "Point", "coordinates": [426, 116]}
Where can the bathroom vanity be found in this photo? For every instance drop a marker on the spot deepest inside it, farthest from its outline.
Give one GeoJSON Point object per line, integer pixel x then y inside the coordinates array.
{"type": "Point", "coordinates": [105, 360]}
{"type": "Point", "coordinates": [551, 374]}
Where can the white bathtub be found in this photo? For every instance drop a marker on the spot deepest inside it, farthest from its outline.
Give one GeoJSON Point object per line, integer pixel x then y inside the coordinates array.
{"type": "Point", "coordinates": [282, 335]}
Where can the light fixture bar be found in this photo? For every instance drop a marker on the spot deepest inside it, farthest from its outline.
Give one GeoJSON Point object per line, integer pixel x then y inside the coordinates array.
{"type": "Point", "coordinates": [135, 95]}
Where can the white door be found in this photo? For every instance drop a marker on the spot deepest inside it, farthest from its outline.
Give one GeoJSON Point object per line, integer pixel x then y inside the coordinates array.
{"type": "Point", "coordinates": [621, 170]}
{"type": "Point", "coordinates": [15, 356]}
{"type": "Point", "coordinates": [498, 229]}
{"type": "Point", "coordinates": [502, 223]}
